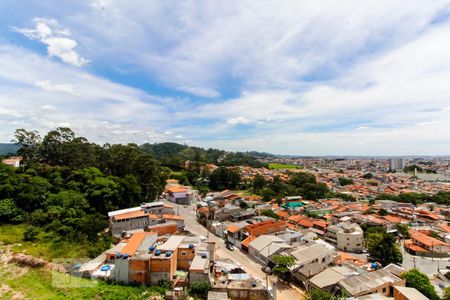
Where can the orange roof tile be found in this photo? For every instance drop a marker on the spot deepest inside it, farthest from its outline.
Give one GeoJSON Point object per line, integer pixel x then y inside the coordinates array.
{"type": "Point", "coordinates": [425, 239]}
{"type": "Point", "coordinates": [177, 189]}
{"type": "Point", "coordinates": [248, 240]}
{"type": "Point", "coordinates": [416, 248]}
{"type": "Point", "coordinates": [233, 229]}
{"type": "Point", "coordinates": [172, 217]}
{"type": "Point", "coordinates": [134, 242]}
{"type": "Point", "coordinates": [305, 223]}
{"type": "Point", "coordinates": [131, 215]}
{"type": "Point", "coordinates": [282, 213]}
{"type": "Point", "coordinates": [320, 223]}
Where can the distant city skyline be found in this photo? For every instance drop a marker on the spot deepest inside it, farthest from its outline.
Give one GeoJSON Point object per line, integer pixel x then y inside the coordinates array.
{"type": "Point", "coordinates": [301, 78]}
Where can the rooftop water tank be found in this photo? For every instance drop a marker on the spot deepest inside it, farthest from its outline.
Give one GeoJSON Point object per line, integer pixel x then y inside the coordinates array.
{"type": "Point", "coordinates": [152, 248]}
{"type": "Point", "coordinates": [168, 253]}
{"type": "Point", "coordinates": [125, 256]}
{"type": "Point", "coordinates": [203, 255]}
{"type": "Point", "coordinates": [191, 246]}
{"type": "Point", "coordinates": [157, 252]}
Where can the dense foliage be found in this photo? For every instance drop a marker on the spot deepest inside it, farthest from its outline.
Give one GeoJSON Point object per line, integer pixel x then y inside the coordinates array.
{"type": "Point", "coordinates": [316, 294]}
{"type": "Point", "coordinates": [416, 279]}
{"type": "Point", "coordinates": [300, 183]}
{"type": "Point", "coordinates": [175, 155]}
{"type": "Point", "coordinates": [416, 198]}
{"type": "Point", "coordinates": [382, 246]}
{"type": "Point", "coordinates": [282, 265]}
{"type": "Point", "coordinates": [200, 289]}
{"type": "Point", "coordinates": [67, 185]}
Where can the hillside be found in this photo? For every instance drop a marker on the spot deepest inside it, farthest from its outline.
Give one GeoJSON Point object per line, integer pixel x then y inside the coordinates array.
{"type": "Point", "coordinates": [174, 155]}
{"type": "Point", "coordinates": [8, 148]}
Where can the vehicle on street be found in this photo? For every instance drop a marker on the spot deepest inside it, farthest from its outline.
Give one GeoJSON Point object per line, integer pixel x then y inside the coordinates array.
{"type": "Point", "coordinates": [230, 247]}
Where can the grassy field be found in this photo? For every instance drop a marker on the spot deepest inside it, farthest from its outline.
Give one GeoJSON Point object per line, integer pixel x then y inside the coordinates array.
{"type": "Point", "coordinates": [44, 246]}
{"type": "Point", "coordinates": [277, 166]}
{"type": "Point", "coordinates": [39, 284]}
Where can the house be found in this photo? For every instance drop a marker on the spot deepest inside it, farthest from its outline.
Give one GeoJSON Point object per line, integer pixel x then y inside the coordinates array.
{"type": "Point", "coordinates": [425, 243]}
{"type": "Point", "coordinates": [180, 194]}
{"type": "Point", "coordinates": [310, 253]}
{"type": "Point", "coordinates": [265, 227]}
{"type": "Point", "coordinates": [408, 293]}
{"type": "Point", "coordinates": [147, 214]}
{"type": "Point", "coordinates": [328, 279]}
{"type": "Point", "coordinates": [13, 161]}
{"type": "Point", "coordinates": [264, 246]}
{"type": "Point", "coordinates": [346, 236]}
{"type": "Point", "coordinates": [378, 282]}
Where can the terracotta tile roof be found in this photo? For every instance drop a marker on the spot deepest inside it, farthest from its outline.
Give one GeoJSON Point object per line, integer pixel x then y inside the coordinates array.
{"type": "Point", "coordinates": [131, 215]}
{"type": "Point", "coordinates": [248, 240]}
{"type": "Point", "coordinates": [295, 218]}
{"type": "Point", "coordinates": [305, 223]}
{"type": "Point", "coordinates": [282, 213]}
{"type": "Point", "coordinates": [177, 189]}
{"type": "Point", "coordinates": [233, 229]}
{"type": "Point", "coordinates": [172, 217]}
{"type": "Point", "coordinates": [425, 239]}
{"type": "Point", "coordinates": [410, 245]}
{"type": "Point", "coordinates": [321, 224]}
{"type": "Point", "coordinates": [446, 228]}
{"type": "Point", "coordinates": [394, 219]}
{"type": "Point", "coordinates": [134, 242]}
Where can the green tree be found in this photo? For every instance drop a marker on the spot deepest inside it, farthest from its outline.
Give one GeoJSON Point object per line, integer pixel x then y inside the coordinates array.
{"type": "Point", "coordinates": [243, 205]}
{"type": "Point", "coordinates": [259, 182]}
{"type": "Point", "coordinates": [345, 181]}
{"type": "Point", "coordinates": [383, 212]}
{"type": "Point", "coordinates": [200, 289]}
{"type": "Point", "coordinates": [382, 247]}
{"type": "Point", "coordinates": [416, 279]}
{"type": "Point", "coordinates": [402, 229]}
{"type": "Point", "coordinates": [29, 144]}
{"type": "Point", "coordinates": [301, 178]}
{"type": "Point", "coordinates": [446, 293]}
{"type": "Point", "coordinates": [270, 213]}
{"type": "Point", "coordinates": [368, 176]}
{"type": "Point", "coordinates": [9, 212]}
{"type": "Point", "coordinates": [224, 178]}
{"type": "Point", "coordinates": [282, 265]}
{"type": "Point", "coordinates": [316, 294]}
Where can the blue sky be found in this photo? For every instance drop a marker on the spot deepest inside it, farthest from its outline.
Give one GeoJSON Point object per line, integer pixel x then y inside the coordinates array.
{"type": "Point", "coordinates": [291, 77]}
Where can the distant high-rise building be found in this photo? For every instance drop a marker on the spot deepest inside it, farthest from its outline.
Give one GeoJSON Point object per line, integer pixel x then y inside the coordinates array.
{"type": "Point", "coordinates": [396, 164]}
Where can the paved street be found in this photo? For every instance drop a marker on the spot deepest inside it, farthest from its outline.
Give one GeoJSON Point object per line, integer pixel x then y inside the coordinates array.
{"type": "Point", "coordinates": [427, 265]}
{"type": "Point", "coordinates": [253, 268]}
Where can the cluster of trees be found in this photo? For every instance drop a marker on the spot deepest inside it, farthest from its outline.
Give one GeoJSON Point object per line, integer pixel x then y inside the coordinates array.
{"type": "Point", "coordinates": [416, 198]}
{"type": "Point", "coordinates": [67, 185]}
{"type": "Point", "coordinates": [416, 279]}
{"type": "Point", "coordinates": [302, 183]}
{"type": "Point", "coordinates": [174, 155]}
{"type": "Point", "coordinates": [382, 246]}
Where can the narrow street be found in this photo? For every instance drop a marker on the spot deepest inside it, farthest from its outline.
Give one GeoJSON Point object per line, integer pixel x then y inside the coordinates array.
{"type": "Point", "coordinates": [283, 291]}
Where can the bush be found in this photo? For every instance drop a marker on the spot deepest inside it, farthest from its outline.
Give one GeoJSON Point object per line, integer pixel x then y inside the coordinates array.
{"type": "Point", "coordinates": [30, 234]}
{"type": "Point", "coordinates": [200, 289]}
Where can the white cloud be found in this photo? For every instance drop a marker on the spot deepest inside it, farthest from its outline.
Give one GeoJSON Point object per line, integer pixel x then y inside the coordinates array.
{"type": "Point", "coordinates": [199, 91]}
{"type": "Point", "coordinates": [51, 87]}
{"type": "Point", "coordinates": [58, 43]}
{"type": "Point", "coordinates": [239, 120]}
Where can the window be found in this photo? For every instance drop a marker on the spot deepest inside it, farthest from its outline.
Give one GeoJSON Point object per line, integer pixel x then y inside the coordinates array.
{"type": "Point", "coordinates": [384, 290]}
{"type": "Point", "coordinates": [183, 253]}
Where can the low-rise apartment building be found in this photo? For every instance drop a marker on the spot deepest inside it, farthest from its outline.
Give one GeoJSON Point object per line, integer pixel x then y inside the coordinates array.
{"type": "Point", "coordinates": [346, 236]}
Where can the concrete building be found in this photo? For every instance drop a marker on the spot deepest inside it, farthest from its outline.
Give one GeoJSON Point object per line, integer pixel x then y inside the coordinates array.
{"type": "Point", "coordinates": [264, 246]}
{"type": "Point", "coordinates": [396, 163]}
{"type": "Point", "coordinates": [407, 293]}
{"type": "Point", "coordinates": [377, 282]}
{"type": "Point", "coordinates": [346, 236]}
{"type": "Point", "coordinates": [147, 214]}
{"type": "Point", "coordinates": [180, 194]}
{"type": "Point", "coordinates": [310, 253]}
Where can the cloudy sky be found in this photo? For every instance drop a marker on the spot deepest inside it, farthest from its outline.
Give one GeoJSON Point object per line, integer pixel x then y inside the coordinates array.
{"type": "Point", "coordinates": [290, 77]}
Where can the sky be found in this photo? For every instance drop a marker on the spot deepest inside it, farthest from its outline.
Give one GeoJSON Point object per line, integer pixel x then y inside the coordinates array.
{"type": "Point", "coordinates": [286, 77]}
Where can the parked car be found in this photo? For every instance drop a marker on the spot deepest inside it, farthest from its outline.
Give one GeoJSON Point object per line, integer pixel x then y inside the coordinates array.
{"type": "Point", "coordinates": [230, 247]}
